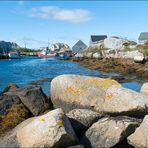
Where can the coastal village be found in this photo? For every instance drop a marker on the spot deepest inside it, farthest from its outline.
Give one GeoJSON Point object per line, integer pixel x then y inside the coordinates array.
{"type": "Point", "coordinates": [115, 54]}
{"type": "Point", "coordinates": [81, 111]}
{"type": "Point", "coordinates": [99, 46]}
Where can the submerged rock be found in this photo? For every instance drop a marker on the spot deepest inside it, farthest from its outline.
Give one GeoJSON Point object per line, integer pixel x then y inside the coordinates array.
{"type": "Point", "coordinates": [144, 89]}
{"type": "Point", "coordinates": [140, 137]}
{"type": "Point", "coordinates": [34, 99]}
{"type": "Point", "coordinates": [10, 87]}
{"type": "Point", "coordinates": [108, 132]}
{"type": "Point", "coordinates": [50, 130]}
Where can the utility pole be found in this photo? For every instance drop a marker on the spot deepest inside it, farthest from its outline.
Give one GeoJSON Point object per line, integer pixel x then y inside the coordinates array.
{"type": "Point", "coordinates": [25, 43]}
{"type": "Point", "coordinates": [48, 43]}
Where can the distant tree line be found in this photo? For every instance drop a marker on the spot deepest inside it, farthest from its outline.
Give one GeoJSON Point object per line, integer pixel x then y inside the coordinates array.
{"type": "Point", "coordinates": [28, 50]}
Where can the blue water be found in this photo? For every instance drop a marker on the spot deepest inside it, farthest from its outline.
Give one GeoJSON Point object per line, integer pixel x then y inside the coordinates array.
{"type": "Point", "coordinates": [23, 71]}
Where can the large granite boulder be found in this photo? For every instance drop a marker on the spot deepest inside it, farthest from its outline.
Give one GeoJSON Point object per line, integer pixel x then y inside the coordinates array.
{"type": "Point", "coordinates": [144, 89]}
{"type": "Point", "coordinates": [50, 130]}
{"type": "Point", "coordinates": [34, 99]}
{"type": "Point", "coordinates": [102, 95]}
{"type": "Point", "coordinates": [120, 100]}
{"type": "Point", "coordinates": [109, 131]}
{"type": "Point", "coordinates": [79, 55]}
{"type": "Point", "coordinates": [134, 54]}
{"type": "Point", "coordinates": [139, 58]}
{"type": "Point", "coordinates": [140, 137]}
{"type": "Point", "coordinates": [81, 119]}
{"type": "Point", "coordinates": [75, 91]}
{"type": "Point", "coordinates": [114, 43]}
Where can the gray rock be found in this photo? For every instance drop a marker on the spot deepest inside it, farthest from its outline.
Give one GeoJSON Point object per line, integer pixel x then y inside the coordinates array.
{"type": "Point", "coordinates": [10, 139]}
{"type": "Point", "coordinates": [102, 95]}
{"type": "Point", "coordinates": [76, 146]}
{"type": "Point", "coordinates": [79, 55]}
{"type": "Point", "coordinates": [96, 55]}
{"type": "Point", "coordinates": [75, 91]}
{"type": "Point", "coordinates": [88, 55]}
{"type": "Point", "coordinates": [114, 43]}
{"type": "Point", "coordinates": [135, 54]}
{"type": "Point", "coordinates": [144, 89]}
{"type": "Point", "coordinates": [12, 112]}
{"type": "Point", "coordinates": [81, 119]}
{"type": "Point", "coordinates": [108, 132]}
{"type": "Point", "coordinates": [140, 137]}
{"type": "Point", "coordinates": [10, 87]}
{"type": "Point", "coordinates": [49, 130]}
{"type": "Point", "coordinates": [7, 100]}
{"type": "Point", "coordinates": [120, 100]}
{"type": "Point", "coordinates": [34, 99]}
{"type": "Point", "coordinates": [139, 58]}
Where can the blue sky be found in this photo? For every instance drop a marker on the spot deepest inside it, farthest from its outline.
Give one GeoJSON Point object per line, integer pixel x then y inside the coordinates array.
{"type": "Point", "coordinates": [63, 21]}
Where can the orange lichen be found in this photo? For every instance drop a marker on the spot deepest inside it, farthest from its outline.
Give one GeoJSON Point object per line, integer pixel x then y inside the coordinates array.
{"type": "Point", "coordinates": [73, 89]}
{"type": "Point", "coordinates": [109, 96]}
{"type": "Point", "coordinates": [101, 82]}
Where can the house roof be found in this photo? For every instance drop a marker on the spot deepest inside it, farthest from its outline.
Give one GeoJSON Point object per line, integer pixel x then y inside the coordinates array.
{"type": "Point", "coordinates": [79, 46]}
{"type": "Point", "coordinates": [143, 36]}
{"type": "Point", "coordinates": [95, 38]}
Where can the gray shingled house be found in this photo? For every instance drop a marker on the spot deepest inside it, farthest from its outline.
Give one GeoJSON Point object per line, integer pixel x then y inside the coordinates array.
{"type": "Point", "coordinates": [96, 38]}
{"type": "Point", "coordinates": [79, 47]}
{"type": "Point", "coordinates": [143, 37]}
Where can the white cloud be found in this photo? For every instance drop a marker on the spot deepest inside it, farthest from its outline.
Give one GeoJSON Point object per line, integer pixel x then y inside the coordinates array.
{"type": "Point", "coordinates": [20, 2]}
{"type": "Point", "coordinates": [56, 13]}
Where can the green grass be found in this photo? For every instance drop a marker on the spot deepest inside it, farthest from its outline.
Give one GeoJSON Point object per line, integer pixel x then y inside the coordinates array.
{"type": "Point", "coordinates": [143, 48]}
{"type": "Point", "coordinates": [128, 49]}
{"type": "Point", "coordinates": [96, 50]}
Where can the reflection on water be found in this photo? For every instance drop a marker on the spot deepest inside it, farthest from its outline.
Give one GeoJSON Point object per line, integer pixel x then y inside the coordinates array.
{"type": "Point", "coordinates": [22, 71]}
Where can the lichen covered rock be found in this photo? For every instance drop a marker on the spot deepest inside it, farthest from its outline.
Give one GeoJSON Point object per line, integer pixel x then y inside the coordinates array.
{"type": "Point", "coordinates": [81, 119]}
{"type": "Point", "coordinates": [75, 91]}
{"type": "Point", "coordinates": [109, 131]}
{"type": "Point", "coordinates": [144, 89]}
{"type": "Point", "coordinates": [50, 130]}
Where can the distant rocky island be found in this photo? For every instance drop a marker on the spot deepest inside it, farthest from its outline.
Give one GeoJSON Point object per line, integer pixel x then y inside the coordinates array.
{"type": "Point", "coordinates": [7, 46]}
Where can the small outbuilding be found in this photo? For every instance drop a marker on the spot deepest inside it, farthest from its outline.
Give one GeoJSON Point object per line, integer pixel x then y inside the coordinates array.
{"type": "Point", "coordinates": [96, 38]}
{"type": "Point", "coordinates": [79, 47]}
{"type": "Point", "coordinates": [143, 38]}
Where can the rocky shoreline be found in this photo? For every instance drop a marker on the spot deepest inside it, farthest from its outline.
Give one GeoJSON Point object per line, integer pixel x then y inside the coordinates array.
{"type": "Point", "coordinates": [82, 112]}
{"type": "Point", "coordinates": [127, 68]}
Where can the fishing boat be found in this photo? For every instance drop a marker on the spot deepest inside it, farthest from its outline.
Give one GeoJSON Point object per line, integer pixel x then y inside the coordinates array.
{"type": "Point", "coordinates": [46, 54]}
{"type": "Point", "coordinates": [14, 55]}
{"type": "Point", "coordinates": [64, 54]}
